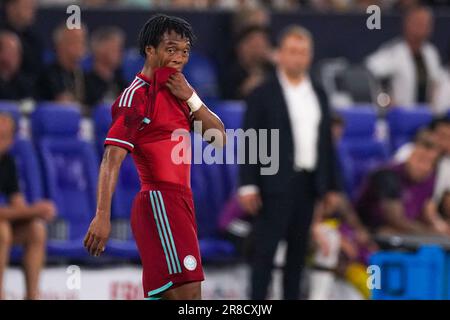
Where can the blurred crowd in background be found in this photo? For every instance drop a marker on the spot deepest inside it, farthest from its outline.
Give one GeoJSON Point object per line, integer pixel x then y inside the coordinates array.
{"type": "Point", "coordinates": [287, 5]}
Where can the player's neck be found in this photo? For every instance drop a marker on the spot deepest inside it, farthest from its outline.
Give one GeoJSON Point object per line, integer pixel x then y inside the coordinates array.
{"type": "Point", "coordinates": [147, 71]}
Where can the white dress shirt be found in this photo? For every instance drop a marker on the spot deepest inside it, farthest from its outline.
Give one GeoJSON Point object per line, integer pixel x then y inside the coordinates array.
{"type": "Point", "coordinates": [304, 115]}
{"type": "Point", "coordinates": [394, 59]}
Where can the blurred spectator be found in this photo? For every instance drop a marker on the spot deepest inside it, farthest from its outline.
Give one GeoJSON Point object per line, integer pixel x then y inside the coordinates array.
{"type": "Point", "coordinates": [14, 84]}
{"type": "Point", "coordinates": [252, 64]}
{"type": "Point", "coordinates": [247, 17]}
{"type": "Point", "coordinates": [398, 198]}
{"type": "Point", "coordinates": [63, 81]}
{"type": "Point", "coordinates": [20, 223]}
{"type": "Point", "coordinates": [105, 82]}
{"type": "Point", "coordinates": [439, 133]}
{"type": "Point", "coordinates": [236, 5]}
{"type": "Point", "coordinates": [19, 18]}
{"type": "Point", "coordinates": [189, 4]}
{"type": "Point", "coordinates": [59, 2]}
{"type": "Point", "coordinates": [402, 154]}
{"type": "Point", "coordinates": [405, 5]}
{"type": "Point", "coordinates": [411, 63]}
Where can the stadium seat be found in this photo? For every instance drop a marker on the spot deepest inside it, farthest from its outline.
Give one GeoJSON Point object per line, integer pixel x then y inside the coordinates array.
{"type": "Point", "coordinates": [70, 170]}
{"type": "Point", "coordinates": [209, 196]}
{"type": "Point", "coordinates": [404, 123]}
{"type": "Point", "coordinates": [121, 243]}
{"type": "Point", "coordinates": [360, 124]}
{"type": "Point", "coordinates": [87, 62]}
{"type": "Point", "coordinates": [346, 170]}
{"type": "Point", "coordinates": [231, 113]}
{"type": "Point", "coordinates": [214, 250]}
{"type": "Point", "coordinates": [363, 157]}
{"type": "Point", "coordinates": [202, 75]}
{"type": "Point", "coordinates": [360, 151]}
{"type": "Point", "coordinates": [102, 121]}
{"type": "Point", "coordinates": [406, 276]}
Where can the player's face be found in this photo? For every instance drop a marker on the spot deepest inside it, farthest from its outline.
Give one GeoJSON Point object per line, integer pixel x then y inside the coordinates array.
{"type": "Point", "coordinates": [173, 51]}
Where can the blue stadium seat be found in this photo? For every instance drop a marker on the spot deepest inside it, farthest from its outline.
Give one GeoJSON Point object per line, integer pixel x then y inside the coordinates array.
{"type": "Point", "coordinates": [209, 196]}
{"type": "Point", "coordinates": [346, 170]}
{"type": "Point", "coordinates": [70, 169]}
{"type": "Point", "coordinates": [132, 64]}
{"type": "Point", "coordinates": [121, 243]}
{"type": "Point", "coordinates": [360, 151]}
{"type": "Point", "coordinates": [215, 250]}
{"type": "Point", "coordinates": [231, 113]}
{"type": "Point", "coordinates": [202, 75]}
{"type": "Point", "coordinates": [364, 157]}
{"type": "Point", "coordinates": [87, 62]}
{"type": "Point", "coordinates": [404, 123]}
{"type": "Point", "coordinates": [410, 276]}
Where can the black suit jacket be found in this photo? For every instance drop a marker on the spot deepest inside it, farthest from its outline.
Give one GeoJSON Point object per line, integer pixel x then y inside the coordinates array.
{"type": "Point", "coordinates": [267, 109]}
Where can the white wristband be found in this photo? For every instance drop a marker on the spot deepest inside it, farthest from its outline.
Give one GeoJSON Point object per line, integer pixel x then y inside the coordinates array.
{"type": "Point", "coordinates": [194, 102]}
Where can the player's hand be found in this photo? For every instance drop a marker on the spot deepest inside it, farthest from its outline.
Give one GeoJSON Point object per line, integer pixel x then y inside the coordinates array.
{"type": "Point", "coordinates": [250, 202]}
{"type": "Point", "coordinates": [179, 86]}
{"type": "Point", "coordinates": [97, 235]}
{"type": "Point", "coordinates": [44, 209]}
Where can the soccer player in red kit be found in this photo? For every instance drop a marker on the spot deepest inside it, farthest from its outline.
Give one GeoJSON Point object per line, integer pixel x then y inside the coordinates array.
{"type": "Point", "coordinates": [158, 102]}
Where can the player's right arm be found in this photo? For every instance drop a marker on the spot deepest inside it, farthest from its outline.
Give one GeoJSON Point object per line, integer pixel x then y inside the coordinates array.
{"type": "Point", "coordinates": [100, 227]}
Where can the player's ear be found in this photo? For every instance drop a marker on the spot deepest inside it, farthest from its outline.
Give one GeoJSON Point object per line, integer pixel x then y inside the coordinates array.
{"type": "Point", "coordinates": [150, 50]}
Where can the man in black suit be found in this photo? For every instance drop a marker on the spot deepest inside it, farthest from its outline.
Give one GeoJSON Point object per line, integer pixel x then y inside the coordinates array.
{"type": "Point", "coordinates": [283, 203]}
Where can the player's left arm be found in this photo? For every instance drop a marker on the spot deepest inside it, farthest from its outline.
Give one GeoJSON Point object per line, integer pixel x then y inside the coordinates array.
{"type": "Point", "coordinates": [211, 123]}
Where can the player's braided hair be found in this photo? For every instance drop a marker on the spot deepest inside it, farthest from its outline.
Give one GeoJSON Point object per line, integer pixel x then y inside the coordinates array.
{"type": "Point", "coordinates": [154, 29]}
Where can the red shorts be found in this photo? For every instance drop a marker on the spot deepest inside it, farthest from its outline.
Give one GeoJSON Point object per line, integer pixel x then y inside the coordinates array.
{"type": "Point", "coordinates": [164, 227]}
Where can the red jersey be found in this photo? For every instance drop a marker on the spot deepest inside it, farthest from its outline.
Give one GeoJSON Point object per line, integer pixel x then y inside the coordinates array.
{"type": "Point", "coordinates": [151, 144]}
